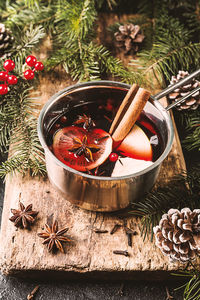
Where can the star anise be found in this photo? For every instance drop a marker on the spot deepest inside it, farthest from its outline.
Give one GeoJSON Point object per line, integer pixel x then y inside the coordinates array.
{"type": "Point", "coordinates": [81, 147]}
{"type": "Point", "coordinates": [86, 121]}
{"type": "Point", "coordinates": [23, 217]}
{"type": "Point", "coordinates": [54, 237]}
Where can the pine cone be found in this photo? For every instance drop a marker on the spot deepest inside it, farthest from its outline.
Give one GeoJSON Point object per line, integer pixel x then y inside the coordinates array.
{"type": "Point", "coordinates": [128, 37]}
{"type": "Point", "coordinates": [6, 41]}
{"type": "Point", "coordinates": [191, 103]}
{"type": "Point", "coordinates": [178, 234]}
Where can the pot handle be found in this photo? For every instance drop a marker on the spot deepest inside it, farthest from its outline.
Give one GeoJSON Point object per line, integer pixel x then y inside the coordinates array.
{"type": "Point", "coordinates": [171, 88]}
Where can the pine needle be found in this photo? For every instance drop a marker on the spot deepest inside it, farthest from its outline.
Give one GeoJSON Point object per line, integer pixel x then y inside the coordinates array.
{"type": "Point", "coordinates": [191, 289]}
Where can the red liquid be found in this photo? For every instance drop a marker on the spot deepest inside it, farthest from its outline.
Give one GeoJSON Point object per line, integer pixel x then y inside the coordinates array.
{"type": "Point", "coordinates": [102, 115]}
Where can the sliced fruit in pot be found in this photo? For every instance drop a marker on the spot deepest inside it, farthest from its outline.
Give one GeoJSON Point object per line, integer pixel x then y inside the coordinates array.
{"type": "Point", "coordinates": [136, 145]}
{"type": "Point", "coordinates": [128, 166]}
{"type": "Point", "coordinates": [80, 149]}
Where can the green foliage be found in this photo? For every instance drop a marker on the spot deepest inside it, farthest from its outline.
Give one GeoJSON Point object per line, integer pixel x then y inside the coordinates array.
{"type": "Point", "coordinates": [26, 153]}
{"type": "Point", "coordinates": [191, 289]}
{"type": "Point", "coordinates": [192, 139]}
{"type": "Point", "coordinates": [172, 43]}
{"type": "Point", "coordinates": [167, 47]}
{"type": "Point", "coordinates": [26, 40]}
{"type": "Point", "coordinates": [189, 120]}
{"type": "Point", "coordinates": [171, 51]}
{"type": "Point", "coordinates": [17, 108]}
{"type": "Point", "coordinates": [18, 119]}
{"type": "Point", "coordinates": [19, 15]}
{"type": "Point", "coordinates": [182, 191]}
{"type": "Point", "coordinates": [74, 45]}
{"type": "Point", "coordinates": [108, 3]}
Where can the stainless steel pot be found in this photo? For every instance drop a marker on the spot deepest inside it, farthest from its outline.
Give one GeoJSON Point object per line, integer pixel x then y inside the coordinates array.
{"type": "Point", "coordinates": [95, 192]}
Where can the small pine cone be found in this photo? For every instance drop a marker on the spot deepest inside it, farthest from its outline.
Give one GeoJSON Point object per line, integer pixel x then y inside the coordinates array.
{"type": "Point", "coordinates": [192, 102]}
{"type": "Point", "coordinates": [128, 37]}
{"type": "Point", "coordinates": [178, 234]}
{"type": "Point", "coordinates": [6, 41]}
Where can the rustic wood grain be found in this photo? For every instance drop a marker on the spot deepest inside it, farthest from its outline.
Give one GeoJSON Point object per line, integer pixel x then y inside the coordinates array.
{"type": "Point", "coordinates": [22, 251]}
{"type": "Point", "coordinates": [90, 255]}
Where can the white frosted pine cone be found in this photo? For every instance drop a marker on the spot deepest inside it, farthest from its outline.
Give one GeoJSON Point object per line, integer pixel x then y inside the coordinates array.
{"type": "Point", "coordinates": [193, 101]}
{"type": "Point", "coordinates": [178, 234]}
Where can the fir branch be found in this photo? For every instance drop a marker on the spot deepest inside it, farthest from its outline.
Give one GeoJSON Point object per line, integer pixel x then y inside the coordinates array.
{"type": "Point", "coordinates": [172, 50]}
{"type": "Point", "coordinates": [169, 61]}
{"type": "Point", "coordinates": [192, 139]}
{"type": "Point", "coordinates": [74, 48]}
{"type": "Point", "coordinates": [75, 21]}
{"type": "Point", "coordinates": [110, 3]}
{"type": "Point", "coordinates": [190, 121]}
{"type": "Point", "coordinates": [10, 110]}
{"type": "Point", "coordinates": [146, 7]}
{"type": "Point", "coordinates": [32, 3]}
{"type": "Point", "coordinates": [182, 191]}
{"type": "Point", "coordinates": [26, 153]}
{"type": "Point", "coordinates": [19, 14]}
{"type": "Point", "coordinates": [94, 61]}
{"type": "Point", "coordinates": [11, 166]}
{"type": "Point", "coordinates": [18, 128]}
{"type": "Point", "coordinates": [26, 41]}
{"type": "Point", "coordinates": [192, 286]}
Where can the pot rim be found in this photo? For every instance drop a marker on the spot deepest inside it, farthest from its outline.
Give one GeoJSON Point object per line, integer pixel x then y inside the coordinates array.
{"type": "Point", "coordinates": [102, 83]}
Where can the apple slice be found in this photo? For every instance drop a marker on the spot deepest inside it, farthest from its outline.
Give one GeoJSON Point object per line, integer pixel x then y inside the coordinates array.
{"type": "Point", "coordinates": [136, 145]}
{"type": "Point", "coordinates": [127, 166]}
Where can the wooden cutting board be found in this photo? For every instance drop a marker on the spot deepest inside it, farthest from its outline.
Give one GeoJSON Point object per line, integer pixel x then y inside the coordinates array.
{"type": "Point", "coordinates": [90, 255]}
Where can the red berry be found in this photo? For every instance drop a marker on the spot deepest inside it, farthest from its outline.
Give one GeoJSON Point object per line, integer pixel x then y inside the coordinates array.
{"type": "Point", "coordinates": [3, 89]}
{"type": "Point", "coordinates": [113, 157]}
{"type": "Point", "coordinates": [9, 65]}
{"type": "Point", "coordinates": [31, 60]}
{"type": "Point", "coordinates": [63, 119]}
{"type": "Point", "coordinates": [29, 74]}
{"type": "Point", "coordinates": [12, 79]}
{"type": "Point", "coordinates": [3, 76]}
{"type": "Point", "coordinates": [39, 66]}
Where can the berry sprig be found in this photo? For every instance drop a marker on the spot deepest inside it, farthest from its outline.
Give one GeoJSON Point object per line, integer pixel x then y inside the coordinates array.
{"type": "Point", "coordinates": [8, 79]}
{"type": "Point", "coordinates": [31, 61]}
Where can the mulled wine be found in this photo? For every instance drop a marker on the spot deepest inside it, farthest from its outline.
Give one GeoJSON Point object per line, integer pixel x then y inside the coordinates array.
{"type": "Point", "coordinates": [79, 137]}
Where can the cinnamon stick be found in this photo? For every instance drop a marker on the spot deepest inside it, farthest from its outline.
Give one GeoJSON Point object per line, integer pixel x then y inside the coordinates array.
{"type": "Point", "coordinates": [131, 115]}
{"type": "Point", "coordinates": [123, 107]}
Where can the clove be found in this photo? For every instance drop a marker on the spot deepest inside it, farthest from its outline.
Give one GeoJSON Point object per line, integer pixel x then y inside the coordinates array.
{"type": "Point", "coordinates": [129, 236]}
{"type": "Point", "coordinates": [121, 252]}
{"type": "Point", "coordinates": [115, 228]}
{"type": "Point", "coordinates": [100, 231]}
{"type": "Point", "coordinates": [130, 231]}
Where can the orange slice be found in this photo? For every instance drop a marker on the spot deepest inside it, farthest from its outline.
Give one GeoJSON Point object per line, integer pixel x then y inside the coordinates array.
{"type": "Point", "coordinates": [80, 149]}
